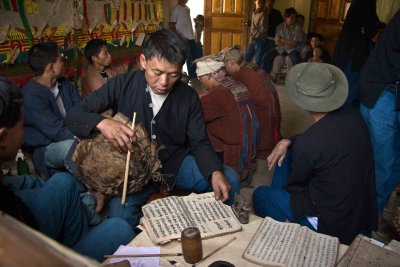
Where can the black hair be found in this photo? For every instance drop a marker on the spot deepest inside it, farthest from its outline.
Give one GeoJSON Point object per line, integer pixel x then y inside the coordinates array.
{"type": "Point", "coordinates": [290, 11]}
{"type": "Point", "coordinates": [310, 35]}
{"type": "Point", "coordinates": [300, 16]}
{"type": "Point", "coordinates": [11, 101]}
{"type": "Point", "coordinates": [319, 36]}
{"type": "Point", "coordinates": [42, 54]}
{"type": "Point", "coordinates": [168, 45]}
{"type": "Point", "coordinates": [199, 17]}
{"type": "Point", "coordinates": [93, 48]}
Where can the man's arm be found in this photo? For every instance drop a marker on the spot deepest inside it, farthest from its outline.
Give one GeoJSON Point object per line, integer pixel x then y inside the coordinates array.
{"type": "Point", "coordinates": [173, 19]}
{"type": "Point", "coordinates": [220, 186]}
{"type": "Point", "coordinates": [119, 134]}
{"type": "Point", "coordinates": [278, 36]}
{"type": "Point", "coordinates": [278, 154]}
{"type": "Point", "coordinates": [91, 81]}
{"type": "Point", "coordinates": [264, 24]}
{"type": "Point", "coordinates": [172, 26]}
{"type": "Point", "coordinates": [84, 119]}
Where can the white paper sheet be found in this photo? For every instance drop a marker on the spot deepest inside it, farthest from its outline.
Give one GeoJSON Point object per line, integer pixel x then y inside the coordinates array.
{"type": "Point", "coordinates": [138, 262]}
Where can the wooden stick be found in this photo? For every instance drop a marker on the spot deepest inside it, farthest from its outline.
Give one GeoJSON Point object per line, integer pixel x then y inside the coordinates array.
{"type": "Point", "coordinates": [128, 159]}
{"type": "Point", "coordinates": [144, 255]}
{"type": "Point", "coordinates": [216, 250]}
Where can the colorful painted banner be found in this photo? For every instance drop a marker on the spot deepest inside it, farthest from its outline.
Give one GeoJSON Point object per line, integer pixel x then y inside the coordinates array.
{"type": "Point", "coordinates": [34, 25]}
{"type": "Point", "coordinates": [112, 24]}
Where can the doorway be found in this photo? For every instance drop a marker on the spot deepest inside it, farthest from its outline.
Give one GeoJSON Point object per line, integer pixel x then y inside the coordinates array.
{"type": "Point", "coordinates": [196, 7]}
{"type": "Point", "coordinates": [226, 24]}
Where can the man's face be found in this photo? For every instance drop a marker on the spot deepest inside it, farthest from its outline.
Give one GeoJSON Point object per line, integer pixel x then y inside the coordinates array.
{"type": "Point", "coordinates": [103, 58]}
{"type": "Point", "coordinates": [206, 81]}
{"type": "Point", "coordinates": [290, 20]}
{"type": "Point", "coordinates": [317, 52]}
{"type": "Point", "coordinates": [258, 3]}
{"type": "Point", "coordinates": [160, 74]}
{"type": "Point", "coordinates": [269, 3]}
{"type": "Point", "coordinates": [315, 42]}
{"type": "Point", "coordinates": [300, 21]}
{"type": "Point", "coordinates": [12, 139]}
{"type": "Point", "coordinates": [58, 66]}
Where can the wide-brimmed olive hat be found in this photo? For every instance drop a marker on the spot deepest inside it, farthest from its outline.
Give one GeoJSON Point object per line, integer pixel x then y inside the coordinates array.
{"type": "Point", "coordinates": [317, 87]}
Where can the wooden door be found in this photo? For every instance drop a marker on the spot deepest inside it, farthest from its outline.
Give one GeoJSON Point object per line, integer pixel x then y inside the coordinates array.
{"type": "Point", "coordinates": [327, 17]}
{"type": "Point", "coordinates": [226, 24]}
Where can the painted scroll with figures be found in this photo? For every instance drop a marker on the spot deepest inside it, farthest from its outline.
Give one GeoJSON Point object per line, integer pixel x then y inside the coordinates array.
{"type": "Point", "coordinates": [289, 244]}
{"type": "Point", "coordinates": [165, 218]}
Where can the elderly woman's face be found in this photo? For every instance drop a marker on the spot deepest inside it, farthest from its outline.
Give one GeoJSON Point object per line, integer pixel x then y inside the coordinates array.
{"type": "Point", "coordinates": [231, 67]}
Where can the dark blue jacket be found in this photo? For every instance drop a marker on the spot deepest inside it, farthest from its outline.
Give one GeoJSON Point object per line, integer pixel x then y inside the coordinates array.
{"type": "Point", "coordinates": [178, 126]}
{"type": "Point", "coordinates": [333, 177]}
{"type": "Point", "coordinates": [44, 123]}
{"type": "Point", "coordinates": [354, 43]}
{"type": "Point", "coordinates": [383, 65]}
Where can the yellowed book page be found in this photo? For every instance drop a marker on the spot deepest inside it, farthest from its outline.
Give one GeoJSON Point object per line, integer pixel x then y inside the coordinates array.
{"type": "Point", "coordinates": [273, 243]}
{"type": "Point", "coordinates": [365, 251]}
{"type": "Point", "coordinates": [165, 218]}
{"type": "Point", "coordinates": [314, 249]}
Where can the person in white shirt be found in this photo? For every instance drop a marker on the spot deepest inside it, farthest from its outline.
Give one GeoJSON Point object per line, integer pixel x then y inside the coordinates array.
{"type": "Point", "coordinates": [181, 22]}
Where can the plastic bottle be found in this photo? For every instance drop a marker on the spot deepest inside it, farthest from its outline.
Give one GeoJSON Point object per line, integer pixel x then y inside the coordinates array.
{"type": "Point", "coordinates": [22, 167]}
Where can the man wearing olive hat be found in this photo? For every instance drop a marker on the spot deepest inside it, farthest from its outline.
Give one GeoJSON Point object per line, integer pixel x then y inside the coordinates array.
{"type": "Point", "coordinates": [325, 176]}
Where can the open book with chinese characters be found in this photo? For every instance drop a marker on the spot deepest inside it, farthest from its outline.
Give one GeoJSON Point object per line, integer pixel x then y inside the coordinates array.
{"type": "Point", "coordinates": [289, 244]}
{"type": "Point", "coordinates": [165, 218]}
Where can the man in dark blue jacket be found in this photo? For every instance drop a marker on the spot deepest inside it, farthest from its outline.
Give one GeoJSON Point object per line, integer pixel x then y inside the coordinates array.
{"type": "Point", "coordinates": [48, 98]}
{"type": "Point", "coordinates": [325, 176]}
{"type": "Point", "coordinates": [171, 113]}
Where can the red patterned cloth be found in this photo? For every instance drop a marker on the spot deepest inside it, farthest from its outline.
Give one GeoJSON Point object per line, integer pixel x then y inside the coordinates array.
{"type": "Point", "coordinates": [267, 107]}
{"type": "Point", "coordinates": [232, 124]}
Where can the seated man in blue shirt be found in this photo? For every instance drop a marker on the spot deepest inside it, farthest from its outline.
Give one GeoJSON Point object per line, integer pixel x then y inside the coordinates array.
{"type": "Point", "coordinates": [49, 97]}
{"type": "Point", "coordinates": [171, 113]}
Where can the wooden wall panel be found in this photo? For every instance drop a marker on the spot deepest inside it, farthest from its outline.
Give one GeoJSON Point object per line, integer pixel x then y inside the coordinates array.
{"type": "Point", "coordinates": [334, 10]}
{"type": "Point", "coordinates": [237, 39]}
{"type": "Point", "coordinates": [225, 24]}
{"type": "Point", "coordinates": [239, 7]}
{"type": "Point", "coordinates": [235, 24]}
{"type": "Point", "coordinates": [326, 18]}
{"type": "Point", "coordinates": [331, 34]}
{"type": "Point", "coordinates": [215, 43]}
{"type": "Point", "coordinates": [228, 7]}
{"type": "Point", "coordinates": [216, 6]}
{"type": "Point", "coordinates": [322, 10]}
{"type": "Point", "coordinates": [226, 40]}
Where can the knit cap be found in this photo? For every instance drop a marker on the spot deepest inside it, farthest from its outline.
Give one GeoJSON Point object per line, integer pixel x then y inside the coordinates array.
{"type": "Point", "coordinates": [208, 66]}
